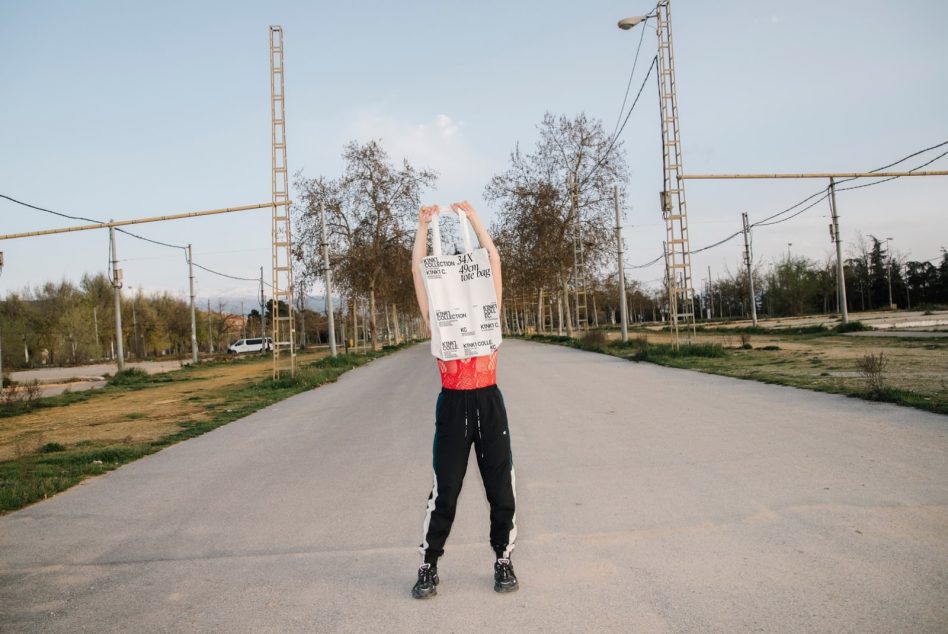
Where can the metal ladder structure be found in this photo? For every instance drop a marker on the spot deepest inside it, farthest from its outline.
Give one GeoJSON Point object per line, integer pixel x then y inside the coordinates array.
{"type": "Point", "coordinates": [581, 301]}
{"type": "Point", "coordinates": [284, 325]}
{"type": "Point", "coordinates": [681, 294]}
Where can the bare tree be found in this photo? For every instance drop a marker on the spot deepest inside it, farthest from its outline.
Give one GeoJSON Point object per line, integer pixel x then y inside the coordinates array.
{"type": "Point", "coordinates": [369, 216]}
{"type": "Point", "coordinates": [559, 193]}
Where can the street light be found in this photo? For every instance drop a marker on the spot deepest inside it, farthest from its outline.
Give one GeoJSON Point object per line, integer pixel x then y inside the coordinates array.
{"type": "Point", "coordinates": [627, 23]}
{"type": "Point", "coordinates": [677, 249]}
{"type": "Point", "coordinates": [789, 244]}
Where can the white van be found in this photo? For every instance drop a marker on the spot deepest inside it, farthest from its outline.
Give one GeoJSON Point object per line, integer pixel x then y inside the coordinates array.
{"type": "Point", "coordinates": [251, 345]}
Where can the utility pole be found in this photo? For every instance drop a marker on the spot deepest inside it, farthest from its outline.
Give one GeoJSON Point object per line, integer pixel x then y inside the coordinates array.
{"type": "Point", "coordinates": [1, 337]}
{"type": "Point", "coordinates": [888, 268]}
{"type": "Point", "coordinates": [210, 342]}
{"type": "Point", "coordinates": [136, 342]}
{"type": "Point", "coordinates": [194, 337]}
{"type": "Point", "coordinates": [302, 312]}
{"type": "Point", "coordinates": [622, 302]}
{"type": "Point", "coordinates": [95, 323]}
{"type": "Point", "coordinates": [749, 261]}
{"type": "Point", "coordinates": [283, 326]}
{"type": "Point", "coordinates": [840, 276]}
{"type": "Point", "coordinates": [327, 276]}
{"type": "Point", "coordinates": [117, 286]}
{"type": "Point", "coordinates": [263, 307]}
{"type": "Point", "coordinates": [710, 294]}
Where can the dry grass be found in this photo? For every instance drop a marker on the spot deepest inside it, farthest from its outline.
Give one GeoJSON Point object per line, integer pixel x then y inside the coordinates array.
{"type": "Point", "coordinates": [132, 416]}
{"type": "Point", "coordinates": [917, 368]}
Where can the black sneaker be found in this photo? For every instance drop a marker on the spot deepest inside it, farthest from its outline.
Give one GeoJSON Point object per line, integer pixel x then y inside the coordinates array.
{"type": "Point", "coordinates": [504, 578]}
{"type": "Point", "coordinates": [427, 581]}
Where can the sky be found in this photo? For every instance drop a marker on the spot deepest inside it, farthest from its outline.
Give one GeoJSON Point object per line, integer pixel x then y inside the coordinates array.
{"type": "Point", "coordinates": [130, 109]}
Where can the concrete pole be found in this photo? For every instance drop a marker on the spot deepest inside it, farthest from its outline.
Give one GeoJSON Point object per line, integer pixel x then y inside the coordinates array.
{"type": "Point", "coordinates": [622, 301]}
{"type": "Point", "coordinates": [840, 276]}
{"type": "Point", "coordinates": [710, 294]}
{"type": "Point", "coordinates": [135, 340]}
{"type": "Point", "coordinates": [1, 337]}
{"type": "Point", "coordinates": [210, 342]}
{"type": "Point", "coordinates": [194, 337]}
{"type": "Point", "coordinates": [888, 268]}
{"type": "Point", "coordinates": [117, 286]}
{"type": "Point", "coordinates": [327, 275]}
{"type": "Point", "coordinates": [263, 307]}
{"type": "Point", "coordinates": [95, 323]}
{"type": "Point", "coordinates": [749, 259]}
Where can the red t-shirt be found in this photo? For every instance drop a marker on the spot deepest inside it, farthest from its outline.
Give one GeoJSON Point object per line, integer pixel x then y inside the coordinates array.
{"type": "Point", "coordinates": [469, 374]}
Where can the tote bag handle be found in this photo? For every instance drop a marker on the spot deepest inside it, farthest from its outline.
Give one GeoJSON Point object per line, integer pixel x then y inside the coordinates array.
{"type": "Point", "coordinates": [436, 233]}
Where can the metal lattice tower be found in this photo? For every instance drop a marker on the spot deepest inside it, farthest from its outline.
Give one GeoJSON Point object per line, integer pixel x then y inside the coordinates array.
{"type": "Point", "coordinates": [284, 330]}
{"type": "Point", "coordinates": [580, 282]}
{"type": "Point", "coordinates": [674, 209]}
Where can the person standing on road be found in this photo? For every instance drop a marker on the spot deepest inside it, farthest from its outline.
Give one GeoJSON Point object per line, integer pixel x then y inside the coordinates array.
{"type": "Point", "coordinates": [469, 411]}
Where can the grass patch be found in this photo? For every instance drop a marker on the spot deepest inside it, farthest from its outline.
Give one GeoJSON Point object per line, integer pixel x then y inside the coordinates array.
{"type": "Point", "coordinates": [767, 364]}
{"type": "Point", "coordinates": [54, 467]}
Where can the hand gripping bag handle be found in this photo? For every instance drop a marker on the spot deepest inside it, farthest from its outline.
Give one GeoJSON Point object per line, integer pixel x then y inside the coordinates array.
{"type": "Point", "coordinates": [436, 233]}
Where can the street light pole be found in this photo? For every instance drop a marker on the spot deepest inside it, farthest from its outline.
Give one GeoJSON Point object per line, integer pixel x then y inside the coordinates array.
{"type": "Point", "coordinates": [677, 243]}
{"type": "Point", "coordinates": [622, 307]}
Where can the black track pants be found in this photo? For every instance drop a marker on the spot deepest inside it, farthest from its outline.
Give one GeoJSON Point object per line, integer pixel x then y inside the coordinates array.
{"type": "Point", "coordinates": [463, 418]}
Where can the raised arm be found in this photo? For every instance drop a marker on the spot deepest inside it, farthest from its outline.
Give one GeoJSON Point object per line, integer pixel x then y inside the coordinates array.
{"type": "Point", "coordinates": [485, 241]}
{"type": "Point", "coordinates": [418, 253]}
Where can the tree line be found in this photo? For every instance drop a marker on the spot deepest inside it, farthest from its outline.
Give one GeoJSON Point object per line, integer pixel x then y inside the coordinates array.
{"type": "Point", "coordinates": [798, 285]}
{"type": "Point", "coordinates": [68, 324]}
{"type": "Point", "coordinates": [554, 209]}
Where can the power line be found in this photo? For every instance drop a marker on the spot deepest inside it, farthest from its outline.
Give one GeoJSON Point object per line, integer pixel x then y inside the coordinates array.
{"type": "Point", "coordinates": [615, 137]}
{"type": "Point", "coordinates": [628, 85]}
{"type": "Point", "coordinates": [822, 196]}
{"type": "Point", "coordinates": [926, 164]}
{"type": "Point", "coordinates": [49, 211]}
{"type": "Point", "coordinates": [790, 217]}
{"type": "Point", "coordinates": [905, 158]}
{"type": "Point", "coordinates": [233, 277]}
{"type": "Point", "coordinates": [133, 235]}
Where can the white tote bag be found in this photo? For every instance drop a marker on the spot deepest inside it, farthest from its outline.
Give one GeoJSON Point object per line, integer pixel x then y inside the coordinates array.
{"type": "Point", "coordinates": [462, 301]}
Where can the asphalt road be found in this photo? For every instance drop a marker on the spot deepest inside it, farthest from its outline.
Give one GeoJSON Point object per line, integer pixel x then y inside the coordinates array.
{"type": "Point", "coordinates": [650, 500]}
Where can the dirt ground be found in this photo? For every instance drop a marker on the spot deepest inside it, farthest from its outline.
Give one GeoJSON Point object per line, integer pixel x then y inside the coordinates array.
{"type": "Point", "coordinates": [132, 416]}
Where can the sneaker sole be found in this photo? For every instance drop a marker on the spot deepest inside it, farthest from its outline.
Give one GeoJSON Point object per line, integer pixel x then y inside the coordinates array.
{"type": "Point", "coordinates": [504, 590]}
{"type": "Point", "coordinates": [425, 595]}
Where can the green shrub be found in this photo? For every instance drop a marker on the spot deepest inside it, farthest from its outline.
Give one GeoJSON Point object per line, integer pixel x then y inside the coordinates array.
{"type": "Point", "coordinates": [853, 326]}
{"type": "Point", "coordinates": [52, 447]}
{"type": "Point", "coordinates": [131, 376]}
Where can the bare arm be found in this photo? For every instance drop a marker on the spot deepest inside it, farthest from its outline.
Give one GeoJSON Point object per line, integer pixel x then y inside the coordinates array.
{"type": "Point", "coordinates": [485, 241]}
{"type": "Point", "coordinates": [418, 253]}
